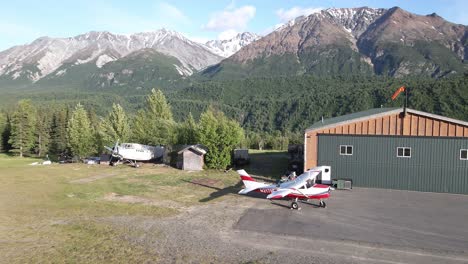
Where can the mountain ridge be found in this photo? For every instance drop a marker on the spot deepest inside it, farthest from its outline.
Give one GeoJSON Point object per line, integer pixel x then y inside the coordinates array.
{"type": "Point", "coordinates": [47, 54]}
{"type": "Point", "coordinates": [391, 42]}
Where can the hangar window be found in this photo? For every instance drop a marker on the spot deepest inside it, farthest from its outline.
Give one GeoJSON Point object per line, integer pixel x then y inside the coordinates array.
{"type": "Point", "coordinates": [346, 150]}
{"type": "Point", "coordinates": [404, 152]}
{"type": "Point", "coordinates": [464, 154]}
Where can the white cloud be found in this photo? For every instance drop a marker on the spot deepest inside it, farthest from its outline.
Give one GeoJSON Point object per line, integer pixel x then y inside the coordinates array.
{"type": "Point", "coordinates": [286, 15]}
{"type": "Point", "coordinates": [228, 34]}
{"type": "Point", "coordinates": [231, 18]}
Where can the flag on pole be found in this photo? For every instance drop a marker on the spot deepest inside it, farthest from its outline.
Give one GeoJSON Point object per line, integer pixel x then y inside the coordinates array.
{"type": "Point", "coordinates": [397, 92]}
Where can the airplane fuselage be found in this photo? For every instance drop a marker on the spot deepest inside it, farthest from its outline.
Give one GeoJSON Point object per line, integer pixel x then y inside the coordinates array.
{"type": "Point", "coordinates": [133, 151]}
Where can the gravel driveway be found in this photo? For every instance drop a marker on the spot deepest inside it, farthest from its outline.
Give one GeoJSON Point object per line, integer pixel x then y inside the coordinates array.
{"type": "Point", "coordinates": [358, 226]}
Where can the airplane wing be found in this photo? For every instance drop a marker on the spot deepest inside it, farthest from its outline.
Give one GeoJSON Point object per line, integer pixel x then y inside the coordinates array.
{"type": "Point", "coordinates": [247, 190]}
{"type": "Point", "coordinates": [300, 180]}
{"type": "Point", "coordinates": [281, 193]}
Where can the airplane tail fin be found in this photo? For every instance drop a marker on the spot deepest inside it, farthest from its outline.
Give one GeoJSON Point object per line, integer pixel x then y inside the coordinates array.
{"type": "Point", "coordinates": [248, 181]}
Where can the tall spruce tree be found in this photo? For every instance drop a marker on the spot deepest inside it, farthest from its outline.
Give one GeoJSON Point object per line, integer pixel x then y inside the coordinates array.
{"type": "Point", "coordinates": [42, 133]}
{"type": "Point", "coordinates": [80, 133]}
{"type": "Point", "coordinates": [115, 126]}
{"type": "Point", "coordinates": [3, 126]}
{"type": "Point", "coordinates": [23, 122]}
{"type": "Point", "coordinates": [95, 122]}
{"type": "Point", "coordinates": [220, 135]}
{"type": "Point", "coordinates": [59, 144]}
{"type": "Point", "coordinates": [154, 125]}
{"type": "Point", "coordinates": [6, 134]}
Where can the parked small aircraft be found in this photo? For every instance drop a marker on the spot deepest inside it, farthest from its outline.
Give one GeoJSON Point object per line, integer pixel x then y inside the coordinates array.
{"type": "Point", "coordinates": [133, 152]}
{"type": "Point", "coordinates": [301, 188]}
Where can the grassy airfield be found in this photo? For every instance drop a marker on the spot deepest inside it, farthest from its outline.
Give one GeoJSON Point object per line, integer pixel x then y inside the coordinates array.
{"type": "Point", "coordinates": [52, 213]}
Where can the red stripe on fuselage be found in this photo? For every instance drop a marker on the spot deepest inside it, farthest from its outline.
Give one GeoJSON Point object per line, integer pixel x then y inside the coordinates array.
{"type": "Point", "coordinates": [317, 196]}
{"type": "Point", "coordinates": [321, 186]}
{"type": "Point", "coordinates": [246, 178]}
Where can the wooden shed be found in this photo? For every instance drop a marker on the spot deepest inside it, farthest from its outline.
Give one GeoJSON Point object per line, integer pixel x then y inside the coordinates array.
{"type": "Point", "coordinates": [191, 158]}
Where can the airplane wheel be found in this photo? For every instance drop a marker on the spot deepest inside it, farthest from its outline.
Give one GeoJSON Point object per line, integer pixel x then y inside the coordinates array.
{"type": "Point", "coordinates": [294, 205]}
{"type": "Point", "coordinates": [323, 204]}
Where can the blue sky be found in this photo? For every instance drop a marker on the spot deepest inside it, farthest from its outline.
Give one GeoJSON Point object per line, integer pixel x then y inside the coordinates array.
{"type": "Point", "coordinates": [23, 21]}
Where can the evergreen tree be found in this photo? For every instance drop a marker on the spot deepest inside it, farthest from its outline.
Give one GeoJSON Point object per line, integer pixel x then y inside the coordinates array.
{"type": "Point", "coordinates": [187, 131]}
{"type": "Point", "coordinates": [22, 127]}
{"type": "Point", "coordinates": [220, 135]}
{"type": "Point", "coordinates": [95, 122]}
{"type": "Point", "coordinates": [157, 105]}
{"type": "Point", "coordinates": [42, 135]}
{"type": "Point", "coordinates": [80, 133]}
{"type": "Point", "coordinates": [115, 126]}
{"type": "Point", "coordinates": [6, 134]}
{"type": "Point", "coordinates": [3, 126]}
{"type": "Point", "coordinates": [154, 125]}
{"type": "Point", "coordinates": [59, 144]}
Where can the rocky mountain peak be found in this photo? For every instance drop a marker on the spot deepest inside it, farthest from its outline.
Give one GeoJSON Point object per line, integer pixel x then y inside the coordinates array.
{"type": "Point", "coordinates": [47, 55]}
{"type": "Point", "coordinates": [354, 20]}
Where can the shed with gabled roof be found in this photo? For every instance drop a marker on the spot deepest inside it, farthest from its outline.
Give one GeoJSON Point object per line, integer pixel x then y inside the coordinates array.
{"type": "Point", "coordinates": [191, 158]}
{"type": "Point", "coordinates": [392, 148]}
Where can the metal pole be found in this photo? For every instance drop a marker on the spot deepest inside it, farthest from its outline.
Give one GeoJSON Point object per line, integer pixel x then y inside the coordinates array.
{"type": "Point", "coordinates": [406, 99]}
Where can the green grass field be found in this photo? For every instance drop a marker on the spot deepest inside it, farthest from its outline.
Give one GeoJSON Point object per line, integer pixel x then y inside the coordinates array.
{"type": "Point", "coordinates": [53, 213]}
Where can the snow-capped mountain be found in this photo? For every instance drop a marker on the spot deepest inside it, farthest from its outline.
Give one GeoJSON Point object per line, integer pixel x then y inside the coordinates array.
{"type": "Point", "coordinates": [353, 41]}
{"type": "Point", "coordinates": [226, 48]}
{"type": "Point", "coordinates": [45, 55]}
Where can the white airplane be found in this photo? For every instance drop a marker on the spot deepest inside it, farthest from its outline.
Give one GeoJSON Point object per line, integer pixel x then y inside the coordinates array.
{"type": "Point", "coordinates": [133, 152]}
{"type": "Point", "coordinates": [301, 188]}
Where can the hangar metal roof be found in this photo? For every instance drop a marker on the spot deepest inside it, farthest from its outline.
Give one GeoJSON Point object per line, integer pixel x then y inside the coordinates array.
{"type": "Point", "coordinates": [374, 113]}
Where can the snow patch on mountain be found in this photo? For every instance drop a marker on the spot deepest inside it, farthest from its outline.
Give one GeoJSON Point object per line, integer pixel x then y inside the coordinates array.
{"type": "Point", "coordinates": [103, 59]}
{"type": "Point", "coordinates": [226, 48]}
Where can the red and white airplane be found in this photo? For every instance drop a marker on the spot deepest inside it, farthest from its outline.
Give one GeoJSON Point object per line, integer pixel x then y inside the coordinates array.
{"type": "Point", "coordinates": [301, 188]}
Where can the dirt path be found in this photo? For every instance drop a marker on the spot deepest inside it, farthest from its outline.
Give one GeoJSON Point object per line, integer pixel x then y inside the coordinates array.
{"type": "Point", "coordinates": [207, 234]}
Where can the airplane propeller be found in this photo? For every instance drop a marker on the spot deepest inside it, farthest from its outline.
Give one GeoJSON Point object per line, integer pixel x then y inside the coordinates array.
{"type": "Point", "coordinates": [114, 150]}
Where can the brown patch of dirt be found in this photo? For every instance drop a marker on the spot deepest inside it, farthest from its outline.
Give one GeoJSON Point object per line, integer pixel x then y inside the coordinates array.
{"type": "Point", "coordinates": [93, 178]}
{"type": "Point", "coordinates": [132, 199]}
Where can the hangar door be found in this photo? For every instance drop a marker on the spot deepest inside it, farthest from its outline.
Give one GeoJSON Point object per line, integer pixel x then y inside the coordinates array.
{"type": "Point", "coordinates": [429, 164]}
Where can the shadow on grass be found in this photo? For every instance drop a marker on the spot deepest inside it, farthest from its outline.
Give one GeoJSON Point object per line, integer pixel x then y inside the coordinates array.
{"type": "Point", "coordinates": [219, 191]}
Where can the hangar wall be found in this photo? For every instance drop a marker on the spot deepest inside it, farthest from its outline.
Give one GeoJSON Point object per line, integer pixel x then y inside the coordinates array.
{"type": "Point", "coordinates": [434, 165]}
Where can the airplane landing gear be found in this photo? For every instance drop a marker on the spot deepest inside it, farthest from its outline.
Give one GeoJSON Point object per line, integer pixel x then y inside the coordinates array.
{"type": "Point", "coordinates": [322, 204]}
{"type": "Point", "coordinates": [295, 205]}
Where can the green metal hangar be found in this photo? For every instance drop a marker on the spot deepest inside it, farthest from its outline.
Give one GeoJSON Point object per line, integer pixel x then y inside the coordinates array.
{"type": "Point", "coordinates": [392, 148]}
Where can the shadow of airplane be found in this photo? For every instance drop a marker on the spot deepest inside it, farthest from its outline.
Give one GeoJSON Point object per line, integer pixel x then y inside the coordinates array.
{"type": "Point", "coordinates": [219, 191]}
